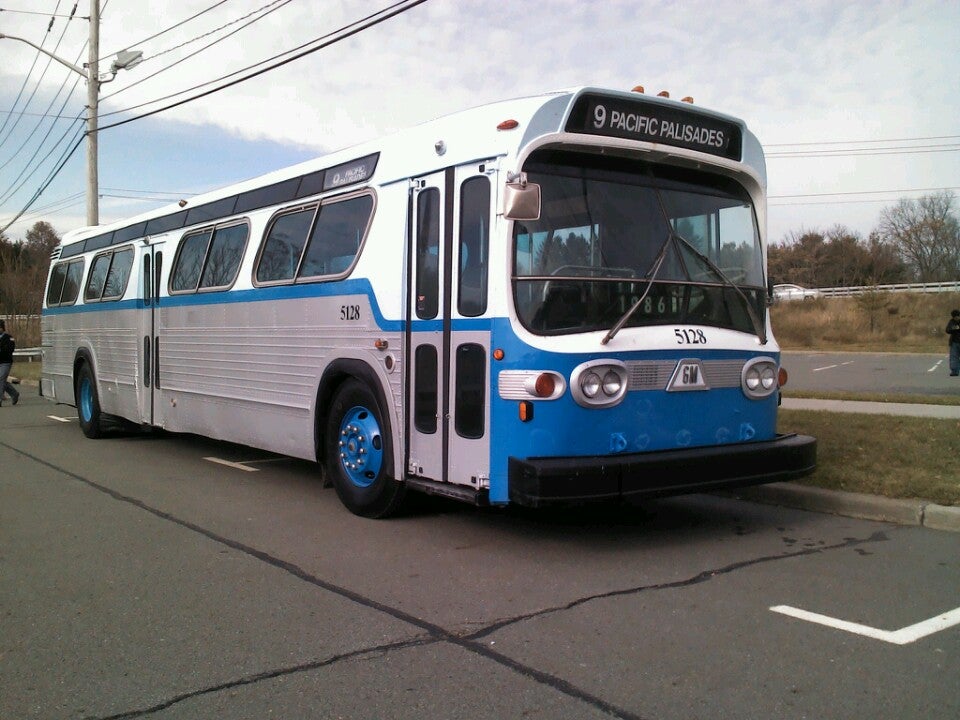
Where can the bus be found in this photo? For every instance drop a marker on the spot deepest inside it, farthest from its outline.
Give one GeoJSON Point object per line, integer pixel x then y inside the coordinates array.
{"type": "Point", "coordinates": [552, 299]}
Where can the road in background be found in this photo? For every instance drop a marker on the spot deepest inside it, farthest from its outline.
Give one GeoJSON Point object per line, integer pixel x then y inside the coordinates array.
{"type": "Point", "coordinates": [910, 374]}
{"type": "Point", "coordinates": [142, 577]}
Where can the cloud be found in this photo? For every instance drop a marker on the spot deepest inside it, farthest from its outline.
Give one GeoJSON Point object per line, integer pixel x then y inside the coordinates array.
{"type": "Point", "coordinates": [795, 72]}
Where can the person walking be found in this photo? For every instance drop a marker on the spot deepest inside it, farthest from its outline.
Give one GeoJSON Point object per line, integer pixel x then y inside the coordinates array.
{"type": "Point", "coordinates": [7, 346]}
{"type": "Point", "coordinates": [953, 330]}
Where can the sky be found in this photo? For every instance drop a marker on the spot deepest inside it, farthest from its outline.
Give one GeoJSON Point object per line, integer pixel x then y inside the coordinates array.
{"type": "Point", "coordinates": [857, 104]}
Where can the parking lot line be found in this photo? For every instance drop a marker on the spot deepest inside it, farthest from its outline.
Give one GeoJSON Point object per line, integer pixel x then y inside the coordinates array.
{"type": "Point", "coordinates": [904, 636]}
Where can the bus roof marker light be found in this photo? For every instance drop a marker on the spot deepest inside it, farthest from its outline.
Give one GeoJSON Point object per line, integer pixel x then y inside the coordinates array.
{"type": "Point", "coordinates": [687, 99]}
{"type": "Point", "coordinates": [638, 89]}
{"type": "Point", "coordinates": [508, 125]}
{"type": "Point", "coordinates": [663, 94]}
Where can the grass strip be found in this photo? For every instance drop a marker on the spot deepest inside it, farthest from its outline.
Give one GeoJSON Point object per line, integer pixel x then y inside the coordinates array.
{"type": "Point", "coordinates": [893, 456]}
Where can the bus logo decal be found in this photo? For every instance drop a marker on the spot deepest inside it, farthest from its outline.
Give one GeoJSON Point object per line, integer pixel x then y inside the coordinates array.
{"type": "Point", "coordinates": [688, 376]}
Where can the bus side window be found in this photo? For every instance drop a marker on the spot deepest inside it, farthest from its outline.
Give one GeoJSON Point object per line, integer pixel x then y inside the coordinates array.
{"type": "Point", "coordinates": [119, 274]}
{"type": "Point", "coordinates": [428, 254]}
{"type": "Point", "coordinates": [224, 256]}
{"type": "Point", "coordinates": [189, 262]}
{"type": "Point", "coordinates": [55, 290]}
{"type": "Point", "coordinates": [337, 236]}
{"type": "Point", "coordinates": [474, 246]}
{"type": "Point", "coordinates": [283, 247]}
{"type": "Point", "coordinates": [71, 284]}
{"type": "Point", "coordinates": [98, 275]}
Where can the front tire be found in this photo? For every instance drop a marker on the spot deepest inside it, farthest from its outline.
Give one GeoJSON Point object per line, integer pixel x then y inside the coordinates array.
{"type": "Point", "coordinates": [358, 453]}
{"type": "Point", "coordinates": [88, 403]}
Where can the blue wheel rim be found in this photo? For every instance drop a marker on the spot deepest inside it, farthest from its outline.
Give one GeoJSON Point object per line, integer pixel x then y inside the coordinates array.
{"type": "Point", "coordinates": [361, 446]}
{"type": "Point", "coordinates": [86, 399]}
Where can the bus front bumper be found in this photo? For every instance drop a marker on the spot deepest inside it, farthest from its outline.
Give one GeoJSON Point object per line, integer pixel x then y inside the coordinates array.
{"type": "Point", "coordinates": [535, 482]}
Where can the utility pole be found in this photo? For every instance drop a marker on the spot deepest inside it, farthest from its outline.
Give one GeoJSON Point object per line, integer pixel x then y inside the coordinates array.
{"type": "Point", "coordinates": [93, 109]}
{"type": "Point", "coordinates": [126, 59]}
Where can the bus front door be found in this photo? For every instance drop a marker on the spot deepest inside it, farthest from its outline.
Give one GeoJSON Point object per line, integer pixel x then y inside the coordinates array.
{"type": "Point", "coordinates": [449, 330]}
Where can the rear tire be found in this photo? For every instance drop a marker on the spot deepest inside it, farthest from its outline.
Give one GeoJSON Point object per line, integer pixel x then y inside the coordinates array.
{"type": "Point", "coordinates": [358, 453]}
{"type": "Point", "coordinates": [88, 403]}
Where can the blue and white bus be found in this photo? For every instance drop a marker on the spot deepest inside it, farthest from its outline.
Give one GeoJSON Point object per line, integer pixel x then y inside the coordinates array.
{"type": "Point", "coordinates": [547, 300]}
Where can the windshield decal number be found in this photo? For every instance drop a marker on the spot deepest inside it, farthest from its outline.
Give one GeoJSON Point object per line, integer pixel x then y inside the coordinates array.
{"type": "Point", "coordinates": [690, 337]}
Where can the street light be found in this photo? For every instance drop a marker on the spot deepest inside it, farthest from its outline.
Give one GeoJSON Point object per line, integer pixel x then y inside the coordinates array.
{"type": "Point", "coordinates": [125, 60]}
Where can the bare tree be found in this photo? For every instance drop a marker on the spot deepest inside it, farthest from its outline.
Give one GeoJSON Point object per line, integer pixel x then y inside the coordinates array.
{"type": "Point", "coordinates": [926, 233]}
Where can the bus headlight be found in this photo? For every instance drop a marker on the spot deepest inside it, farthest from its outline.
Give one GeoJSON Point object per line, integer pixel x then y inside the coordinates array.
{"type": "Point", "coordinates": [599, 383]}
{"type": "Point", "coordinates": [759, 377]}
{"type": "Point", "coordinates": [590, 384]}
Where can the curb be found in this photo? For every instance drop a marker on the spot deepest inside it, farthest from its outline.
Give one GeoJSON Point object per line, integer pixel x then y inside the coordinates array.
{"type": "Point", "coordinates": [856, 505]}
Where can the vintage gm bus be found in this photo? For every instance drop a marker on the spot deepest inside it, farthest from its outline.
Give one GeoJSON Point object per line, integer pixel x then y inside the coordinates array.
{"type": "Point", "coordinates": [547, 300]}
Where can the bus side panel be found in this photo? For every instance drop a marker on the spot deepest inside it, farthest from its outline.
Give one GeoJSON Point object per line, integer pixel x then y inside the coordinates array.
{"type": "Point", "coordinates": [59, 343]}
{"type": "Point", "coordinates": [112, 339]}
{"type": "Point", "coordinates": [248, 372]}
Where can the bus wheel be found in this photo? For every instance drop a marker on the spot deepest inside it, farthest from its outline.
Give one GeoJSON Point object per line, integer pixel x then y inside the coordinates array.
{"type": "Point", "coordinates": [88, 404]}
{"type": "Point", "coordinates": [358, 453]}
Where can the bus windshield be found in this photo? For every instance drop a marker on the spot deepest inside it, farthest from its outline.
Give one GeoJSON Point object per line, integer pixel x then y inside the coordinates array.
{"type": "Point", "coordinates": [624, 242]}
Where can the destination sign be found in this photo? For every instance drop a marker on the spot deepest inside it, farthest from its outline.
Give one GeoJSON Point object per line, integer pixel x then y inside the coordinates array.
{"type": "Point", "coordinates": [351, 172]}
{"type": "Point", "coordinates": [653, 122]}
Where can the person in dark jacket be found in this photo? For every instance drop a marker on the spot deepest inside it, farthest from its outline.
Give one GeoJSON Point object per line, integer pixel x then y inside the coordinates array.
{"type": "Point", "coordinates": [7, 346]}
{"type": "Point", "coordinates": [953, 330]}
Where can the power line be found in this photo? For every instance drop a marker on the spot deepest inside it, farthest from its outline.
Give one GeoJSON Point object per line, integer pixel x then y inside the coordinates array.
{"type": "Point", "coordinates": [45, 185]}
{"type": "Point", "coordinates": [172, 27]}
{"type": "Point", "coordinates": [37, 12]}
{"type": "Point", "coordinates": [318, 44]}
{"type": "Point", "coordinates": [863, 142]}
{"type": "Point", "coordinates": [197, 52]}
{"type": "Point", "coordinates": [863, 192]}
{"type": "Point", "coordinates": [223, 27]}
{"type": "Point", "coordinates": [903, 150]}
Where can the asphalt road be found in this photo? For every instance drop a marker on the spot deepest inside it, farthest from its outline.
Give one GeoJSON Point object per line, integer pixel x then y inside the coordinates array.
{"type": "Point", "coordinates": [140, 577]}
{"type": "Point", "coordinates": [911, 374]}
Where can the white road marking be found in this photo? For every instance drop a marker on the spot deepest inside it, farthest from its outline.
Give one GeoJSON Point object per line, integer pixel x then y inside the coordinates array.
{"type": "Point", "coordinates": [62, 419]}
{"type": "Point", "coordinates": [904, 636]}
{"type": "Point", "coordinates": [938, 364]}
{"type": "Point", "coordinates": [830, 367]}
{"type": "Point", "coordinates": [237, 466]}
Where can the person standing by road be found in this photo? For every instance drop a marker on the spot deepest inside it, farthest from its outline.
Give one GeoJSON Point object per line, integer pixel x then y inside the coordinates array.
{"type": "Point", "coordinates": [953, 330]}
{"type": "Point", "coordinates": [7, 346]}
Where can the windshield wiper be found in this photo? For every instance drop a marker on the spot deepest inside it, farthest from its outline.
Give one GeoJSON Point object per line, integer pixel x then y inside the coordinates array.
{"type": "Point", "coordinates": [657, 264]}
{"type": "Point", "coordinates": [758, 327]}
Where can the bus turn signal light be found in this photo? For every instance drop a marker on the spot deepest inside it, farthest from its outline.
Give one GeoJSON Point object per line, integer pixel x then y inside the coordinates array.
{"type": "Point", "coordinates": [526, 411]}
{"type": "Point", "coordinates": [782, 377]}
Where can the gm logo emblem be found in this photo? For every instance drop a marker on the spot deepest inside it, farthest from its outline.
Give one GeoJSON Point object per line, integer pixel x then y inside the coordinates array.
{"type": "Point", "coordinates": [688, 376]}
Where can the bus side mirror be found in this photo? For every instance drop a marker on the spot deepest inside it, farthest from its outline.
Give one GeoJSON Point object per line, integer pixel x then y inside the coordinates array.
{"type": "Point", "coordinates": [521, 200]}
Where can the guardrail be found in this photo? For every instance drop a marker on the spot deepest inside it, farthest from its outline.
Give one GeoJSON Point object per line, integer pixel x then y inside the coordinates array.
{"type": "Point", "coordinates": [901, 287]}
{"type": "Point", "coordinates": [30, 354]}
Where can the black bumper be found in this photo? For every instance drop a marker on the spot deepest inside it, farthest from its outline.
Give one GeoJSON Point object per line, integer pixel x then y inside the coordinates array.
{"type": "Point", "coordinates": [535, 482]}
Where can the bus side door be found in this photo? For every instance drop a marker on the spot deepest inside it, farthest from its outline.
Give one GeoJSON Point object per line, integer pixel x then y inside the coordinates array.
{"type": "Point", "coordinates": [151, 268]}
{"type": "Point", "coordinates": [449, 338]}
